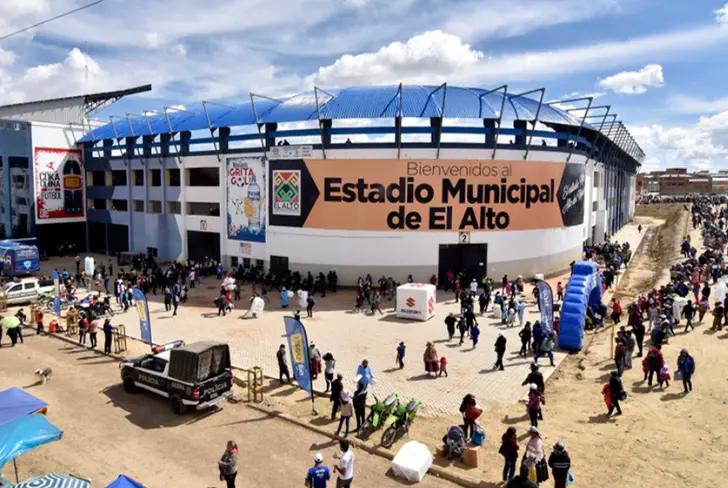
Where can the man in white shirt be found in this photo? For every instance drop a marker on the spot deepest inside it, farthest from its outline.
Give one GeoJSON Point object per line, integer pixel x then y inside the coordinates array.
{"type": "Point", "coordinates": [345, 468]}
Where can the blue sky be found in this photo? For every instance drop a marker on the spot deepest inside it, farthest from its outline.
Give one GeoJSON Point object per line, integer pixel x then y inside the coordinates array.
{"type": "Point", "coordinates": [660, 64]}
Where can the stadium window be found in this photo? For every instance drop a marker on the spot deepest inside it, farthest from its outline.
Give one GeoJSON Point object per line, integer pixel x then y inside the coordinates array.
{"type": "Point", "coordinates": [596, 179]}
{"type": "Point", "coordinates": [118, 178]}
{"type": "Point", "coordinates": [173, 177]}
{"type": "Point", "coordinates": [138, 205]}
{"type": "Point", "coordinates": [98, 178]}
{"type": "Point", "coordinates": [155, 175]}
{"type": "Point", "coordinates": [233, 261]}
{"type": "Point", "coordinates": [99, 204]}
{"type": "Point", "coordinates": [174, 208]}
{"type": "Point", "coordinates": [154, 207]}
{"type": "Point", "coordinates": [203, 177]}
{"type": "Point", "coordinates": [209, 209]}
{"type": "Point", "coordinates": [595, 206]}
{"type": "Point", "coordinates": [138, 177]}
{"type": "Point", "coordinates": [119, 205]}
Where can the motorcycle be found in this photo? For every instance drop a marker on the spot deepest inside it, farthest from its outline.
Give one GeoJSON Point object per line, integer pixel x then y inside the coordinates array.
{"type": "Point", "coordinates": [399, 422]}
{"type": "Point", "coordinates": [380, 411]}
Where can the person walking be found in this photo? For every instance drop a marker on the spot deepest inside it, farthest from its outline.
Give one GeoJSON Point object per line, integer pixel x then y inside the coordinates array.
{"type": "Point", "coordinates": [83, 326]}
{"type": "Point", "coordinates": [337, 388]}
{"type": "Point", "coordinates": [329, 367]}
{"type": "Point", "coordinates": [167, 299]}
{"type": "Point", "coordinates": [521, 311]}
{"type": "Point", "coordinates": [655, 360]}
{"type": "Point", "coordinates": [443, 367]}
{"type": "Point", "coordinates": [108, 332]}
{"type": "Point", "coordinates": [450, 321]}
{"type": "Point", "coordinates": [535, 377]}
{"type": "Point", "coordinates": [93, 328]}
{"type": "Point", "coordinates": [431, 359]}
{"type": "Point", "coordinates": [534, 455]}
{"type": "Point", "coordinates": [282, 365]}
{"type": "Point", "coordinates": [310, 302]}
{"type": "Point", "coordinates": [475, 334]}
{"type": "Point", "coordinates": [462, 327]}
{"type": "Point", "coordinates": [175, 303]}
{"type": "Point", "coordinates": [525, 335]}
{"type": "Point", "coordinates": [38, 317]}
{"type": "Point", "coordinates": [533, 405]}
{"type": "Point", "coordinates": [318, 475]}
{"type": "Point", "coordinates": [360, 406]}
{"type": "Point", "coordinates": [345, 467]}
{"type": "Point", "coordinates": [546, 348]}
{"type": "Point", "coordinates": [509, 450]}
{"type": "Point", "coordinates": [347, 410]}
{"type": "Point", "coordinates": [629, 345]}
{"type": "Point", "coordinates": [688, 312]}
{"type": "Point", "coordinates": [613, 393]}
{"type": "Point", "coordinates": [400, 355]}
{"type": "Point", "coordinates": [619, 351]}
{"type": "Point", "coordinates": [228, 464]}
{"type": "Point", "coordinates": [560, 463]}
{"type": "Point", "coordinates": [500, 349]}
{"type": "Point", "coordinates": [686, 367]}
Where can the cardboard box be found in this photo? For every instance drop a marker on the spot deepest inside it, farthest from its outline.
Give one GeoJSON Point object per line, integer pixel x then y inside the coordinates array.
{"type": "Point", "coordinates": [471, 456]}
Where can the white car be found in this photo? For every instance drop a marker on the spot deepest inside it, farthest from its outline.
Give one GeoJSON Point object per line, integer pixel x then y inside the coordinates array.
{"type": "Point", "coordinates": [27, 290]}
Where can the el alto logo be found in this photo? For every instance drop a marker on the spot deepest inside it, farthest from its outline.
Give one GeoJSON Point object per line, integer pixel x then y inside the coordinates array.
{"type": "Point", "coordinates": [410, 302]}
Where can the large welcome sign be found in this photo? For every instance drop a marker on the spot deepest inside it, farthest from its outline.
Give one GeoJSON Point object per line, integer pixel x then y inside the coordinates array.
{"type": "Point", "coordinates": [428, 195]}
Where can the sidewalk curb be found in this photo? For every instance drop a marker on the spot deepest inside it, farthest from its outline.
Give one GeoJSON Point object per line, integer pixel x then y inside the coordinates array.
{"type": "Point", "coordinates": [369, 447]}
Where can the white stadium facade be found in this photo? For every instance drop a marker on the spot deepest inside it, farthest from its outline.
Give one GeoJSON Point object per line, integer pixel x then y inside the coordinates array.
{"type": "Point", "coordinates": [388, 180]}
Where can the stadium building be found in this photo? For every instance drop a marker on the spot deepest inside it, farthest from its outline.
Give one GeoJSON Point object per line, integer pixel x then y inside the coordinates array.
{"type": "Point", "coordinates": [387, 180]}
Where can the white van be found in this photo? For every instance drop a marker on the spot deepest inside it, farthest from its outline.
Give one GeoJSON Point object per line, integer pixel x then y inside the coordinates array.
{"type": "Point", "coordinates": [27, 290]}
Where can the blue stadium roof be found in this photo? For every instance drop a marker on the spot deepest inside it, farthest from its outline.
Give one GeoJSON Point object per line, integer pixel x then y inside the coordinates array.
{"type": "Point", "coordinates": [363, 102]}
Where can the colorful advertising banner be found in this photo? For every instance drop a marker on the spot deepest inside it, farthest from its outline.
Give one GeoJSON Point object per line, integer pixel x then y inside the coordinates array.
{"type": "Point", "coordinates": [145, 321]}
{"type": "Point", "coordinates": [246, 190]}
{"type": "Point", "coordinates": [428, 195]}
{"type": "Point", "coordinates": [298, 347]}
{"type": "Point", "coordinates": [59, 185]}
{"type": "Point", "coordinates": [546, 305]}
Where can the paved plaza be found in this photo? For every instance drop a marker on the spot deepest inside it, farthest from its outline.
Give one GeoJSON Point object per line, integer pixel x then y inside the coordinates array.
{"type": "Point", "coordinates": [352, 336]}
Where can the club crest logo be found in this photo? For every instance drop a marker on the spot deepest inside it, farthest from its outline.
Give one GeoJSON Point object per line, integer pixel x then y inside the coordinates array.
{"type": "Point", "coordinates": [287, 192]}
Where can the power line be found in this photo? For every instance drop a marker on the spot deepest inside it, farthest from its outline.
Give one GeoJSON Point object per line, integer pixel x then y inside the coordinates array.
{"type": "Point", "coordinates": [64, 14]}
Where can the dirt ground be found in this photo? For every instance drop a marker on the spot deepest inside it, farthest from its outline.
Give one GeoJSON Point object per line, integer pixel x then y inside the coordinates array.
{"type": "Point", "coordinates": [108, 432]}
{"type": "Point", "coordinates": [664, 438]}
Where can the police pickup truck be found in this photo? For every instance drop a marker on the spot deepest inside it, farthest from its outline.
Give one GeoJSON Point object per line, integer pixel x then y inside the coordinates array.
{"type": "Point", "coordinates": [196, 376]}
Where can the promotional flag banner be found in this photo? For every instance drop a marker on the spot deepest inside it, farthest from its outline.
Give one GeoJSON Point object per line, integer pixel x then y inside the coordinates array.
{"type": "Point", "coordinates": [145, 323]}
{"type": "Point", "coordinates": [546, 305]}
{"type": "Point", "coordinates": [298, 347]}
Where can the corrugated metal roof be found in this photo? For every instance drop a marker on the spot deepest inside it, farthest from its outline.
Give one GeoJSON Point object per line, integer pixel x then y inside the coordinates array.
{"type": "Point", "coordinates": [363, 102]}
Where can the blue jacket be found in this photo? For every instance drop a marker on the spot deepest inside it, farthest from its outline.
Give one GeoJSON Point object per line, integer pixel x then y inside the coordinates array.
{"type": "Point", "coordinates": [686, 365]}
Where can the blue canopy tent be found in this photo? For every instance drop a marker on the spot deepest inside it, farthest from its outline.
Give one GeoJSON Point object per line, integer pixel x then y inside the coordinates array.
{"type": "Point", "coordinates": [16, 403]}
{"type": "Point", "coordinates": [124, 481]}
{"type": "Point", "coordinates": [54, 480]}
{"type": "Point", "coordinates": [25, 434]}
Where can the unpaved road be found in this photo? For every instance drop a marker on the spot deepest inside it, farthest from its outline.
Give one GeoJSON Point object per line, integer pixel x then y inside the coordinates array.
{"type": "Point", "coordinates": [107, 431]}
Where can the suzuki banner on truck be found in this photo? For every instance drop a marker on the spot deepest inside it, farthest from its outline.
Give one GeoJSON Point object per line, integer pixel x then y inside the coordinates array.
{"type": "Point", "coordinates": [425, 195]}
{"type": "Point", "coordinates": [59, 185]}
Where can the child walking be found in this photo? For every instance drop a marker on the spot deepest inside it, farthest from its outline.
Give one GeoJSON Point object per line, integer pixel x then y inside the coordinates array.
{"type": "Point", "coordinates": [474, 334]}
{"type": "Point", "coordinates": [443, 367]}
{"type": "Point", "coordinates": [400, 355]}
{"type": "Point", "coordinates": [665, 376]}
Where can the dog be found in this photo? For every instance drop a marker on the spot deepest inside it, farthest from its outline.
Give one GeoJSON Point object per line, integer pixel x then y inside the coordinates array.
{"type": "Point", "coordinates": [44, 374]}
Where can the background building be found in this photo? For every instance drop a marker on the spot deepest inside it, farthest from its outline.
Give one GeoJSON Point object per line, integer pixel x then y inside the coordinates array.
{"type": "Point", "coordinates": [42, 170]}
{"type": "Point", "coordinates": [679, 181]}
{"type": "Point", "coordinates": [384, 180]}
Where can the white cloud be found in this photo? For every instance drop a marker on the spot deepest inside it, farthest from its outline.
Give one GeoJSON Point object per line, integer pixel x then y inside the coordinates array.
{"type": "Point", "coordinates": [690, 104]}
{"type": "Point", "coordinates": [153, 39]}
{"type": "Point", "coordinates": [721, 15]}
{"type": "Point", "coordinates": [431, 56]}
{"type": "Point", "coordinates": [179, 49]}
{"type": "Point", "coordinates": [77, 74]}
{"type": "Point", "coordinates": [634, 82]}
{"type": "Point", "coordinates": [700, 146]}
{"type": "Point", "coordinates": [539, 65]}
{"type": "Point", "coordinates": [477, 19]}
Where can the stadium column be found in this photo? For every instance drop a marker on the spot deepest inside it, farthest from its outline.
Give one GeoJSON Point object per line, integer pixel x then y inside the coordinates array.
{"type": "Point", "coordinates": [436, 125]}
{"type": "Point", "coordinates": [489, 124]}
{"type": "Point", "coordinates": [520, 125]}
{"type": "Point", "coordinates": [224, 139]}
{"type": "Point", "coordinates": [270, 140]}
{"type": "Point", "coordinates": [128, 156]}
